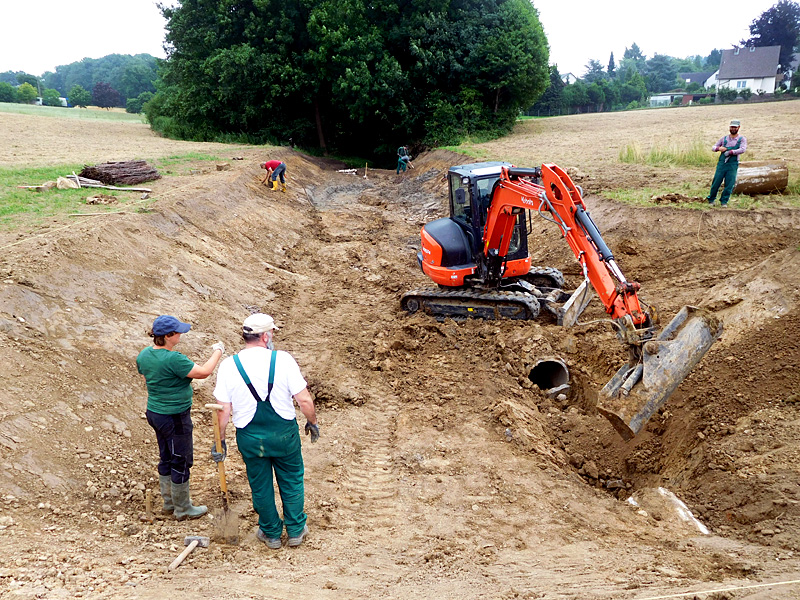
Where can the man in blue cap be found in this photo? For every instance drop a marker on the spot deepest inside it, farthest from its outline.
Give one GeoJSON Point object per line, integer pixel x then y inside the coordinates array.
{"type": "Point", "coordinates": [169, 375]}
{"type": "Point", "coordinates": [730, 148]}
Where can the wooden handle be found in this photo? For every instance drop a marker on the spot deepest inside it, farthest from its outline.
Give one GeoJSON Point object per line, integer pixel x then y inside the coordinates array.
{"type": "Point", "coordinates": [220, 465]}
{"type": "Point", "coordinates": [215, 406]}
{"type": "Point", "coordinates": [175, 563]}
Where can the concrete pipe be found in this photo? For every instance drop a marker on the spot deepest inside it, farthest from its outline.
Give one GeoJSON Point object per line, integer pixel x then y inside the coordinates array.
{"type": "Point", "coordinates": [550, 375]}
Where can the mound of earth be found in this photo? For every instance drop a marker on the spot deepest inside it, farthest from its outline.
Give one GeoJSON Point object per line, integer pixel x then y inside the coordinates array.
{"type": "Point", "coordinates": [441, 470]}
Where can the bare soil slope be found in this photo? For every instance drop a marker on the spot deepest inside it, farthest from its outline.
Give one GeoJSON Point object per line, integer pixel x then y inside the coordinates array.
{"type": "Point", "coordinates": [441, 472]}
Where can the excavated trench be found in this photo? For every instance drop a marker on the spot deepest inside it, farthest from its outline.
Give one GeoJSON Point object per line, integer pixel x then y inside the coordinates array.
{"type": "Point", "coordinates": [449, 448]}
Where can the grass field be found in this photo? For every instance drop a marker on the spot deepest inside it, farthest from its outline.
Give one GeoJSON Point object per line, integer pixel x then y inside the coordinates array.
{"type": "Point", "coordinates": [91, 113]}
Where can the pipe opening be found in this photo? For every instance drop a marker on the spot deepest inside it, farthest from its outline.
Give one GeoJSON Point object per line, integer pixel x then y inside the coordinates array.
{"type": "Point", "coordinates": [549, 373]}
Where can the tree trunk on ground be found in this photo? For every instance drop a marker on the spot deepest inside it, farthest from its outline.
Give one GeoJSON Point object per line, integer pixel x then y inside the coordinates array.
{"type": "Point", "coordinates": [761, 177]}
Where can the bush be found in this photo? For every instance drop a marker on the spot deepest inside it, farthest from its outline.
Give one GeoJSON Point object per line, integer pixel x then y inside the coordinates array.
{"type": "Point", "coordinates": [50, 97]}
{"type": "Point", "coordinates": [727, 94]}
{"type": "Point", "coordinates": [79, 96]}
{"type": "Point", "coordinates": [26, 93]}
{"type": "Point", "coordinates": [7, 92]}
{"type": "Point", "coordinates": [746, 93]}
{"type": "Point", "coordinates": [133, 105]}
{"type": "Point", "coordinates": [706, 100]}
{"type": "Point", "coordinates": [633, 104]}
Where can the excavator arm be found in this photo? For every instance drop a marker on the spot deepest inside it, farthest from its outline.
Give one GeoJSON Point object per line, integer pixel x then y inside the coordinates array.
{"type": "Point", "coordinates": [658, 361]}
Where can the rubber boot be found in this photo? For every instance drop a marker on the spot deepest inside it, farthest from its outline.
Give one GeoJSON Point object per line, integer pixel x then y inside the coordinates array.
{"type": "Point", "coordinates": [275, 186]}
{"type": "Point", "coordinates": [283, 187]}
{"type": "Point", "coordinates": [183, 502]}
{"type": "Point", "coordinates": [165, 482]}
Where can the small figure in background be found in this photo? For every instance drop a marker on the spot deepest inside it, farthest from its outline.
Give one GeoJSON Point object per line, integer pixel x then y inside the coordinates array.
{"type": "Point", "coordinates": [403, 159]}
{"type": "Point", "coordinates": [275, 169]}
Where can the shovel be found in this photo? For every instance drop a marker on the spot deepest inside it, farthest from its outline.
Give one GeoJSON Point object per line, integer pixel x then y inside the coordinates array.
{"type": "Point", "coordinates": [226, 525]}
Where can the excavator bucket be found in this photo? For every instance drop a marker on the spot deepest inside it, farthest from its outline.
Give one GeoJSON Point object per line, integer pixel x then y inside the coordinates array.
{"type": "Point", "coordinates": [577, 303]}
{"type": "Point", "coordinates": [637, 391]}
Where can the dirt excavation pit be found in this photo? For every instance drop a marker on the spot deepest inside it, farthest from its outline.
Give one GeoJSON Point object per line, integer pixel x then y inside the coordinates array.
{"type": "Point", "coordinates": [444, 468]}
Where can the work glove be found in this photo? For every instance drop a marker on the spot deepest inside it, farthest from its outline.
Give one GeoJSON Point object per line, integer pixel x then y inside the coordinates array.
{"type": "Point", "coordinates": [219, 456]}
{"type": "Point", "coordinates": [313, 430]}
{"type": "Point", "coordinates": [218, 346]}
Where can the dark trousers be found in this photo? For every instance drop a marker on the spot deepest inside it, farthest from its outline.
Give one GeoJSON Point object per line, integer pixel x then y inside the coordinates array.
{"type": "Point", "coordinates": [175, 450]}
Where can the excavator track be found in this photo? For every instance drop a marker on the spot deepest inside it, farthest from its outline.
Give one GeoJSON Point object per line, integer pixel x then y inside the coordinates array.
{"type": "Point", "coordinates": [441, 304]}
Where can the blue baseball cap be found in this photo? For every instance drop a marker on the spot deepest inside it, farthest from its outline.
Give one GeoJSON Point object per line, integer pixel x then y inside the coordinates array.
{"type": "Point", "coordinates": [166, 324]}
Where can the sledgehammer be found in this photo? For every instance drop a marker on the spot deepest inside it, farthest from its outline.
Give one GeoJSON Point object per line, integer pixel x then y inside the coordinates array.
{"type": "Point", "coordinates": [191, 542]}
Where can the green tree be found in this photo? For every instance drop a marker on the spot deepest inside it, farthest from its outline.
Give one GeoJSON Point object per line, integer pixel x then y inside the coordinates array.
{"type": "Point", "coordinates": [135, 105]}
{"type": "Point", "coordinates": [611, 71]}
{"type": "Point", "coordinates": [634, 54]}
{"type": "Point", "coordinates": [26, 93]}
{"type": "Point", "coordinates": [596, 96]}
{"type": "Point", "coordinates": [29, 79]}
{"type": "Point", "coordinates": [712, 61]}
{"type": "Point", "coordinates": [551, 101]}
{"type": "Point", "coordinates": [78, 96]}
{"type": "Point", "coordinates": [661, 74]}
{"type": "Point", "coordinates": [7, 92]}
{"type": "Point", "coordinates": [351, 74]}
{"type": "Point", "coordinates": [594, 71]}
{"type": "Point", "coordinates": [576, 96]}
{"type": "Point", "coordinates": [104, 96]}
{"type": "Point", "coordinates": [778, 26]}
{"type": "Point", "coordinates": [50, 97]}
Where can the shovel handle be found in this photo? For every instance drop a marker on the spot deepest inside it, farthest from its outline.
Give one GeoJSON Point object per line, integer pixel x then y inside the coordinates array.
{"type": "Point", "coordinates": [223, 484]}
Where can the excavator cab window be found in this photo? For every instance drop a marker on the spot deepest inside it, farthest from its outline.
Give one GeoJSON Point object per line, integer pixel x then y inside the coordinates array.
{"type": "Point", "coordinates": [460, 199]}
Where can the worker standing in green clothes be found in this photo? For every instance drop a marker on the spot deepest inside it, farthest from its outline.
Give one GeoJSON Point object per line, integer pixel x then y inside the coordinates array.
{"type": "Point", "coordinates": [730, 148]}
{"type": "Point", "coordinates": [258, 387]}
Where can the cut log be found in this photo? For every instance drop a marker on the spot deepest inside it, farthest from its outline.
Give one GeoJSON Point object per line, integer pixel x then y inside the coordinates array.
{"type": "Point", "coordinates": [761, 177]}
{"type": "Point", "coordinates": [125, 172]}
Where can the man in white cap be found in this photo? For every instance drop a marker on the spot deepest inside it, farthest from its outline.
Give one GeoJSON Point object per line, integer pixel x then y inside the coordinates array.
{"type": "Point", "coordinates": [730, 148]}
{"type": "Point", "coordinates": [257, 387]}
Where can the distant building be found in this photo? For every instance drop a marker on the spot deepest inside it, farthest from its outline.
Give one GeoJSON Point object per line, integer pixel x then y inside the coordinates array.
{"type": "Point", "coordinates": [568, 78]}
{"type": "Point", "coordinates": [754, 68]}
{"type": "Point", "coordinates": [699, 78]}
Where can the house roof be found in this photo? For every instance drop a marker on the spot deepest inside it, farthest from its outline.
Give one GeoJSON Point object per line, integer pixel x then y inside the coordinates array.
{"type": "Point", "coordinates": [695, 77]}
{"type": "Point", "coordinates": [742, 63]}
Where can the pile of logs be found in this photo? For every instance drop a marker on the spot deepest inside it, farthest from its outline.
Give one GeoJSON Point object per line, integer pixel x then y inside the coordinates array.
{"type": "Point", "coordinates": [126, 172]}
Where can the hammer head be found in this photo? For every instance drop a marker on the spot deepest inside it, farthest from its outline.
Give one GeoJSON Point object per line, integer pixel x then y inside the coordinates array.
{"type": "Point", "coordinates": [202, 542]}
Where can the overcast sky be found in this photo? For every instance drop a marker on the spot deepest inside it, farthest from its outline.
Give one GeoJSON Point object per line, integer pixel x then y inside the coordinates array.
{"type": "Point", "coordinates": [38, 35]}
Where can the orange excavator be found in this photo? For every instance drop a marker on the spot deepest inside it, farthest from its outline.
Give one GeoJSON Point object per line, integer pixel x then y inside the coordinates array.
{"type": "Point", "coordinates": [479, 258]}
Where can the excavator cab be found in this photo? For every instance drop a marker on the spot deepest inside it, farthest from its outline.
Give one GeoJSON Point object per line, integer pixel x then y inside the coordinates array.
{"type": "Point", "coordinates": [471, 189]}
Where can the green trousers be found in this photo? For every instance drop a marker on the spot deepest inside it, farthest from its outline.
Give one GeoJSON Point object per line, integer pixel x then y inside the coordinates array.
{"type": "Point", "coordinates": [270, 444]}
{"type": "Point", "coordinates": [725, 171]}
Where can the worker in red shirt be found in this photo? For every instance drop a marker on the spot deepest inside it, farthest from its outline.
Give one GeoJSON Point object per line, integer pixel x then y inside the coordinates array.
{"type": "Point", "coordinates": [275, 168]}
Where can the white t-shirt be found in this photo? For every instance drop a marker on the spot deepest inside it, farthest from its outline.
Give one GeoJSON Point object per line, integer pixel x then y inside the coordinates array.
{"type": "Point", "coordinates": [232, 389]}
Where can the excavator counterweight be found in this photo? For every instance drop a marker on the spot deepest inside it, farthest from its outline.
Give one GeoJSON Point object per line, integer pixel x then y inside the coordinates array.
{"type": "Point", "coordinates": [479, 259]}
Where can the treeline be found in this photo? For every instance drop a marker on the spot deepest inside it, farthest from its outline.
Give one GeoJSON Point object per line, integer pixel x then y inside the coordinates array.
{"type": "Point", "coordinates": [626, 85]}
{"type": "Point", "coordinates": [115, 80]}
{"type": "Point", "coordinates": [357, 77]}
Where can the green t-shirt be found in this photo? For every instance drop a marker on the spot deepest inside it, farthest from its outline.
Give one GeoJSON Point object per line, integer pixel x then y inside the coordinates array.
{"type": "Point", "coordinates": [169, 390]}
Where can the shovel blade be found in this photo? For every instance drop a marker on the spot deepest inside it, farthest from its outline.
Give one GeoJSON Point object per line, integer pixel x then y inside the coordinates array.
{"type": "Point", "coordinates": [635, 393]}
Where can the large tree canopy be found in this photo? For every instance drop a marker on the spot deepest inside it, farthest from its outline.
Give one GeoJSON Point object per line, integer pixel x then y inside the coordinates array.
{"type": "Point", "coordinates": [355, 75]}
{"type": "Point", "coordinates": [778, 26]}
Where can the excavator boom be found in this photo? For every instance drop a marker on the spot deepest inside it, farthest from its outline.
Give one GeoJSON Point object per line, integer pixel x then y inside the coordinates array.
{"type": "Point", "coordinates": [658, 362]}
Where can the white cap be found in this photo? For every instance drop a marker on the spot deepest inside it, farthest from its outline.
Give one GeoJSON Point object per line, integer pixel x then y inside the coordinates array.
{"type": "Point", "coordinates": [258, 323]}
